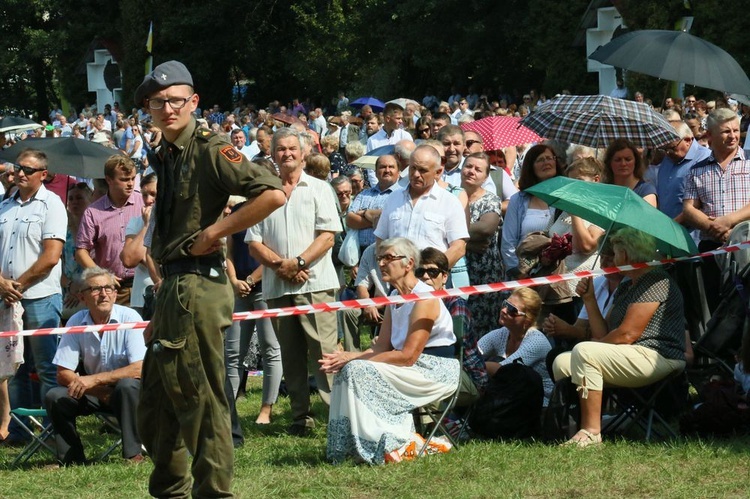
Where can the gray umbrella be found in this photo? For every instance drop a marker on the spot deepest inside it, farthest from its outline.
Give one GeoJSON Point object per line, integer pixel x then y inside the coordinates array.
{"type": "Point", "coordinates": [66, 155]}
{"type": "Point", "coordinates": [675, 56]}
{"type": "Point", "coordinates": [12, 123]}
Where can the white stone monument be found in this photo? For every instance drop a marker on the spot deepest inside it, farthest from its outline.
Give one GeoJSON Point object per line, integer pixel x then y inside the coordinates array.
{"type": "Point", "coordinates": [104, 78]}
{"type": "Point", "coordinates": [608, 20]}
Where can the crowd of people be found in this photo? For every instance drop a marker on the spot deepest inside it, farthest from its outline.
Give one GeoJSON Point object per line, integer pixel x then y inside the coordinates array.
{"type": "Point", "coordinates": [214, 212]}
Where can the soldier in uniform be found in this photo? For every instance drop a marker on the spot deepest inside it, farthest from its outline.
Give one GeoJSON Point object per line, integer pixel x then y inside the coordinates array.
{"type": "Point", "coordinates": [183, 406]}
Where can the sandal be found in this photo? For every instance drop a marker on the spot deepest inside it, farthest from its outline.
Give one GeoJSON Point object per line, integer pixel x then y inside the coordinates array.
{"type": "Point", "coordinates": [583, 438]}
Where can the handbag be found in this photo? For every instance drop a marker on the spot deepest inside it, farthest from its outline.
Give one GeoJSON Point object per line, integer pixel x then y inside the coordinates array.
{"type": "Point", "coordinates": [531, 264]}
{"type": "Point", "coordinates": [349, 251]}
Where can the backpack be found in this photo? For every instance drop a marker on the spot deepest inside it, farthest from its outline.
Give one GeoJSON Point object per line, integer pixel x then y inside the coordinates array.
{"type": "Point", "coordinates": [722, 413]}
{"type": "Point", "coordinates": [512, 405]}
{"type": "Point", "coordinates": [563, 413]}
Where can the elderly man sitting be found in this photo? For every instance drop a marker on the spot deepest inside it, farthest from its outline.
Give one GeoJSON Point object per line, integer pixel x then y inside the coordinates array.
{"type": "Point", "coordinates": [112, 363]}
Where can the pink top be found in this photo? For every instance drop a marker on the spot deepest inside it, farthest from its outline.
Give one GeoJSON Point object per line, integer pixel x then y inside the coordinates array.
{"type": "Point", "coordinates": [102, 232]}
{"type": "Point", "coordinates": [60, 186]}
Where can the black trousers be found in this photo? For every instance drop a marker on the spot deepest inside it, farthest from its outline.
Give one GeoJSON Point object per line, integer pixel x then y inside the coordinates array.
{"type": "Point", "coordinates": [64, 409]}
{"type": "Point", "coordinates": [711, 275]}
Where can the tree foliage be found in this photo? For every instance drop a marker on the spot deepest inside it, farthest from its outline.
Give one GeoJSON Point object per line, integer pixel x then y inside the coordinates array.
{"type": "Point", "coordinates": [313, 48]}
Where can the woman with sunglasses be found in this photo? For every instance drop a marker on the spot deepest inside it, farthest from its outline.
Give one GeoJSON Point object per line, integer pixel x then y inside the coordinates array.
{"type": "Point", "coordinates": [410, 365]}
{"type": "Point", "coordinates": [518, 338]}
{"type": "Point", "coordinates": [422, 130]}
{"type": "Point", "coordinates": [434, 270]}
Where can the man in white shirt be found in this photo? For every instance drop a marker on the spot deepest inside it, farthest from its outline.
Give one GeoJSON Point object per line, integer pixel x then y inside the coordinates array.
{"type": "Point", "coordinates": [33, 222]}
{"type": "Point", "coordinates": [393, 119]}
{"type": "Point", "coordinates": [452, 138]}
{"type": "Point", "coordinates": [112, 369]}
{"type": "Point", "coordinates": [294, 246]}
{"type": "Point", "coordinates": [463, 110]}
{"type": "Point", "coordinates": [239, 140]}
{"type": "Point", "coordinates": [620, 91]}
{"type": "Point", "coordinates": [425, 212]}
{"type": "Point", "coordinates": [371, 127]}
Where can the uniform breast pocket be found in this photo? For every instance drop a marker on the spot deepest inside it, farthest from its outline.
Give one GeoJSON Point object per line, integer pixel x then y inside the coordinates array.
{"type": "Point", "coordinates": [187, 189]}
{"type": "Point", "coordinates": [32, 227]}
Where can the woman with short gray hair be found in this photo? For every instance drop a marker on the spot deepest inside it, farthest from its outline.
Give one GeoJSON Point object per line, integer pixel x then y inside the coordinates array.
{"type": "Point", "coordinates": [410, 365]}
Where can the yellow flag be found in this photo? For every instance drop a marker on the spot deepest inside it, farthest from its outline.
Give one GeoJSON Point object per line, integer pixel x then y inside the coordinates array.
{"type": "Point", "coordinates": [149, 46]}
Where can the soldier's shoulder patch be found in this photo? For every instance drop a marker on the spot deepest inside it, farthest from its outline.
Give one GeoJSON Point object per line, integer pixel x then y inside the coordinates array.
{"type": "Point", "coordinates": [231, 154]}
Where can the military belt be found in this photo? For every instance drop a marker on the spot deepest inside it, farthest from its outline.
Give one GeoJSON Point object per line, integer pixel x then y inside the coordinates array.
{"type": "Point", "coordinates": [202, 265]}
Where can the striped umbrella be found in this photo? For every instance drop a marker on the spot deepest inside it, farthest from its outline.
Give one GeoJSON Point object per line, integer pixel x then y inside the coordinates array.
{"type": "Point", "coordinates": [501, 131]}
{"type": "Point", "coordinates": [597, 120]}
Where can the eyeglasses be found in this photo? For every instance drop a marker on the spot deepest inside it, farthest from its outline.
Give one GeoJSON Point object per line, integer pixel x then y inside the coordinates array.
{"type": "Point", "coordinates": [672, 147]}
{"type": "Point", "coordinates": [27, 170]}
{"type": "Point", "coordinates": [344, 194]}
{"type": "Point", "coordinates": [424, 130]}
{"type": "Point", "coordinates": [433, 273]}
{"type": "Point", "coordinates": [545, 159]}
{"type": "Point", "coordinates": [97, 290]}
{"type": "Point", "coordinates": [470, 143]}
{"type": "Point", "coordinates": [690, 101]}
{"type": "Point", "coordinates": [511, 309]}
{"type": "Point", "coordinates": [390, 258]}
{"type": "Point", "coordinates": [174, 102]}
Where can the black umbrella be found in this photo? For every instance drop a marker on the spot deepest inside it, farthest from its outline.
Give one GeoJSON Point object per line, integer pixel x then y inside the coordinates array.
{"type": "Point", "coordinates": [675, 56]}
{"type": "Point", "coordinates": [11, 123]}
{"type": "Point", "coordinates": [66, 155]}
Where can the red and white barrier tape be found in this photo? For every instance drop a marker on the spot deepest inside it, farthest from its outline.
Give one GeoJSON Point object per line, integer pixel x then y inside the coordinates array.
{"type": "Point", "coordinates": [386, 300]}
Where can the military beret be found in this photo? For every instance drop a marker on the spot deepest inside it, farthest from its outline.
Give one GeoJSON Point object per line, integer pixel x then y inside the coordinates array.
{"type": "Point", "coordinates": [163, 76]}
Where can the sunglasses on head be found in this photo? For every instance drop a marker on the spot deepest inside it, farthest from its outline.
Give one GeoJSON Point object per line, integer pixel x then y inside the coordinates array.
{"type": "Point", "coordinates": [433, 273]}
{"type": "Point", "coordinates": [511, 309]}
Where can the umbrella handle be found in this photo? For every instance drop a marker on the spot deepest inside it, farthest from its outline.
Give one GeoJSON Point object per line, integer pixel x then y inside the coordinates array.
{"type": "Point", "coordinates": [606, 235]}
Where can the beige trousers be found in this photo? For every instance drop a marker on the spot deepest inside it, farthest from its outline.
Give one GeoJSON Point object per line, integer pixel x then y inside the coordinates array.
{"type": "Point", "coordinates": [592, 364]}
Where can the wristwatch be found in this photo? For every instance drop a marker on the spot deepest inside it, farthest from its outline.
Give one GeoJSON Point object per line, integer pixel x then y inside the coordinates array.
{"type": "Point", "coordinates": [301, 263]}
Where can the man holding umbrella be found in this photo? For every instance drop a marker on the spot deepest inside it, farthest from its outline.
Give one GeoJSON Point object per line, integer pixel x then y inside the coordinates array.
{"type": "Point", "coordinates": [717, 192]}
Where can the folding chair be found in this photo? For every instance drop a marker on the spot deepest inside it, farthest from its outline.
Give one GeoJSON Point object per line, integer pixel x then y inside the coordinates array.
{"type": "Point", "coordinates": [38, 441]}
{"type": "Point", "coordinates": [436, 415]}
{"type": "Point", "coordinates": [111, 423]}
{"type": "Point", "coordinates": [639, 405]}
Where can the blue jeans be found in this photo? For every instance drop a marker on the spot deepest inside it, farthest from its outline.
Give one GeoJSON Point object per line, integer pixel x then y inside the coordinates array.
{"type": "Point", "coordinates": [38, 353]}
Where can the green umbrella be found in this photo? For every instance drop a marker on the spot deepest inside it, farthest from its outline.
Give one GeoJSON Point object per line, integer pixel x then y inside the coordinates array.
{"type": "Point", "coordinates": [611, 206]}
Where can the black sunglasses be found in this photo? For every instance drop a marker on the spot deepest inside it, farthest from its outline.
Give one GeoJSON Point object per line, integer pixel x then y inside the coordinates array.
{"type": "Point", "coordinates": [27, 170]}
{"type": "Point", "coordinates": [470, 143]}
{"type": "Point", "coordinates": [433, 273]}
{"type": "Point", "coordinates": [511, 309]}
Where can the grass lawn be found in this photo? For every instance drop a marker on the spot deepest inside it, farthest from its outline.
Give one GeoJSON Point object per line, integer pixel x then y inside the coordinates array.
{"type": "Point", "coordinates": [272, 464]}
